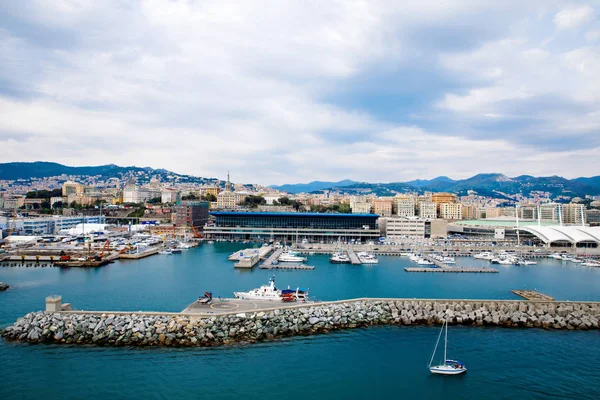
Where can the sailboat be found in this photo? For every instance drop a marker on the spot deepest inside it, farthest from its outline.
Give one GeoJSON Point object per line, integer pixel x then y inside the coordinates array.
{"type": "Point", "coordinates": [447, 367]}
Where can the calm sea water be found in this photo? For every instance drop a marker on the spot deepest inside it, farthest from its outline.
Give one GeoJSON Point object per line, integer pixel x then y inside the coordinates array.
{"type": "Point", "coordinates": [379, 362]}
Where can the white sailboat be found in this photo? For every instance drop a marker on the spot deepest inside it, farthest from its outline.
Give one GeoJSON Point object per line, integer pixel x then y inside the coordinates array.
{"type": "Point", "coordinates": [447, 367]}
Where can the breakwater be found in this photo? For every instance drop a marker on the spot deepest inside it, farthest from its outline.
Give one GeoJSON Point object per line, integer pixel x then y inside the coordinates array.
{"type": "Point", "coordinates": [174, 329]}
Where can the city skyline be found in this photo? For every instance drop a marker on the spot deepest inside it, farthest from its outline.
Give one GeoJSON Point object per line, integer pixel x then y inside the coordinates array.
{"type": "Point", "coordinates": [287, 93]}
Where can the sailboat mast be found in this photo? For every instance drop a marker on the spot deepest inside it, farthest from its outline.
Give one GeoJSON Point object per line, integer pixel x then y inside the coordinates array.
{"type": "Point", "coordinates": [445, 342]}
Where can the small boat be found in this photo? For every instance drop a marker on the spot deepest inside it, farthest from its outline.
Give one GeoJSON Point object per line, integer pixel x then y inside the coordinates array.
{"type": "Point", "coordinates": [339, 258]}
{"type": "Point", "coordinates": [210, 242]}
{"type": "Point", "coordinates": [176, 251]}
{"type": "Point", "coordinates": [367, 258]}
{"type": "Point", "coordinates": [291, 257]}
{"type": "Point", "coordinates": [447, 367]}
{"type": "Point", "coordinates": [166, 252]}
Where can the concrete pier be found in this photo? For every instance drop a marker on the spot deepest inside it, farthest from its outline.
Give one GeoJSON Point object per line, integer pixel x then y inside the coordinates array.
{"type": "Point", "coordinates": [453, 269]}
{"type": "Point", "coordinates": [533, 295]}
{"type": "Point", "coordinates": [248, 261]}
{"type": "Point", "coordinates": [261, 251]}
{"type": "Point", "coordinates": [353, 258]}
{"type": "Point", "coordinates": [287, 266]}
{"type": "Point", "coordinates": [274, 257]}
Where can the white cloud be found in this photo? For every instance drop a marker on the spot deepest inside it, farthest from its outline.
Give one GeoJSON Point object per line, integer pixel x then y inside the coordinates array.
{"type": "Point", "coordinates": [574, 17]}
{"type": "Point", "coordinates": [261, 88]}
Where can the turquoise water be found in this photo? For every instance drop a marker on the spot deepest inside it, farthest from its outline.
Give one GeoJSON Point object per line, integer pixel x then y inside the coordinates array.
{"type": "Point", "coordinates": [379, 362]}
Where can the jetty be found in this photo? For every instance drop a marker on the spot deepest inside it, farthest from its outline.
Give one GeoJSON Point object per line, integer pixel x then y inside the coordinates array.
{"type": "Point", "coordinates": [226, 322]}
{"type": "Point", "coordinates": [453, 269]}
{"type": "Point", "coordinates": [140, 254]}
{"type": "Point", "coordinates": [274, 257]}
{"type": "Point", "coordinates": [532, 295]}
{"type": "Point", "coordinates": [248, 261]}
{"type": "Point", "coordinates": [287, 266]}
{"type": "Point", "coordinates": [260, 251]}
{"type": "Point", "coordinates": [353, 257]}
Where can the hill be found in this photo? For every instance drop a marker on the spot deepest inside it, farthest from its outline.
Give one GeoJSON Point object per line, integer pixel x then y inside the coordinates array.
{"type": "Point", "coordinates": [42, 169]}
{"type": "Point", "coordinates": [312, 186]}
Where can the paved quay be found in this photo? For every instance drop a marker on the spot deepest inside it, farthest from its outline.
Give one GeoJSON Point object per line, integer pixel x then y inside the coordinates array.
{"type": "Point", "coordinates": [228, 306]}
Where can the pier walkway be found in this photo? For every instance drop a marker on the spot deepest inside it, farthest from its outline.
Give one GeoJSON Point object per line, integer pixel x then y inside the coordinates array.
{"type": "Point", "coordinates": [269, 261]}
{"type": "Point", "coordinates": [533, 295]}
{"type": "Point", "coordinates": [261, 251]}
{"type": "Point", "coordinates": [287, 266]}
{"type": "Point", "coordinates": [354, 260]}
{"type": "Point", "coordinates": [453, 269]}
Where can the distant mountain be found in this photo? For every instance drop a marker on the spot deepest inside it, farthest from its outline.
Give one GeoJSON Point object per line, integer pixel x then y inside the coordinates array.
{"type": "Point", "coordinates": [594, 181]}
{"type": "Point", "coordinates": [312, 186]}
{"type": "Point", "coordinates": [494, 185]}
{"type": "Point", "coordinates": [440, 180]}
{"type": "Point", "coordinates": [42, 169]}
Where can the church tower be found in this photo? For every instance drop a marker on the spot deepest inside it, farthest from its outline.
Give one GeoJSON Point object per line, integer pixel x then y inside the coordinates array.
{"type": "Point", "coordinates": [228, 186]}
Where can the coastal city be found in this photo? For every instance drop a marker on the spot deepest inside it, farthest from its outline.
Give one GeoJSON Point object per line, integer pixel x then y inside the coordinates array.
{"type": "Point", "coordinates": [258, 199]}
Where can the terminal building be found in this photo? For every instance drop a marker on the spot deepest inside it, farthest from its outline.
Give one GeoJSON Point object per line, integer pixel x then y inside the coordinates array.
{"type": "Point", "coordinates": [290, 226]}
{"type": "Point", "coordinates": [529, 232]}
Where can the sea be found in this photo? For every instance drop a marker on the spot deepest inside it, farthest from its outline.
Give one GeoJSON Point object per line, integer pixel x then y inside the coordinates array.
{"type": "Point", "coordinates": [374, 363]}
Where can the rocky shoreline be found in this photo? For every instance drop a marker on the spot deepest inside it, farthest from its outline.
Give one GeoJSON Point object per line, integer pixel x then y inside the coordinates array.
{"type": "Point", "coordinates": [3, 286]}
{"type": "Point", "coordinates": [152, 329]}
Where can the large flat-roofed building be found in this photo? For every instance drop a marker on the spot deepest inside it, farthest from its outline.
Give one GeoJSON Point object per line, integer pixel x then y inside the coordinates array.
{"type": "Point", "coordinates": [383, 207]}
{"type": "Point", "coordinates": [192, 214]}
{"type": "Point", "coordinates": [397, 228]}
{"type": "Point", "coordinates": [291, 226]}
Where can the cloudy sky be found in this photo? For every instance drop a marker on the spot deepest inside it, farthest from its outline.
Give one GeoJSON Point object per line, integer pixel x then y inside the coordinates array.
{"type": "Point", "coordinates": [292, 91]}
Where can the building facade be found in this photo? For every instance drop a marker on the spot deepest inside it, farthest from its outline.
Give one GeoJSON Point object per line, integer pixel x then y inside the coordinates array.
{"type": "Point", "coordinates": [427, 210]}
{"type": "Point", "coordinates": [450, 211]}
{"type": "Point", "coordinates": [398, 228]}
{"type": "Point", "coordinates": [191, 214]}
{"type": "Point", "coordinates": [326, 227]}
{"type": "Point", "coordinates": [383, 207]}
{"type": "Point", "coordinates": [405, 206]}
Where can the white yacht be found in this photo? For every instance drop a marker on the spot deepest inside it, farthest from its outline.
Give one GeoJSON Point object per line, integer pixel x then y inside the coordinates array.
{"type": "Point", "coordinates": [291, 257]}
{"type": "Point", "coordinates": [367, 258]}
{"type": "Point", "coordinates": [484, 256]}
{"type": "Point", "coordinates": [422, 261]}
{"type": "Point", "coordinates": [339, 258]}
{"type": "Point", "coordinates": [265, 292]}
{"type": "Point", "coordinates": [446, 367]}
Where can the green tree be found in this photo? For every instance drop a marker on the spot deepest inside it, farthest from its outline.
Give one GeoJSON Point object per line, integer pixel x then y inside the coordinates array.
{"type": "Point", "coordinates": [190, 196]}
{"type": "Point", "coordinates": [253, 201]}
{"type": "Point", "coordinates": [284, 201]}
{"type": "Point", "coordinates": [155, 200]}
{"type": "Point", "coordinates": [209, 197]}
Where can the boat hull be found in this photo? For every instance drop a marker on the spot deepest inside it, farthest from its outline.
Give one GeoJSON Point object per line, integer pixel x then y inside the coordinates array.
{"type": "Point", "coordinates": [446, 370]}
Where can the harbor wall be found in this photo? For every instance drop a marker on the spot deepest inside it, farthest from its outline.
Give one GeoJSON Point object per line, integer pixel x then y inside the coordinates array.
{"type": "Point", "coordinates": [170, 329]}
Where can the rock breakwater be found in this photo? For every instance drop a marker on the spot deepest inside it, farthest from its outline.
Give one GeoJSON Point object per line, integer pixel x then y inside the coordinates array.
{"type": "Point", "coordinates": [151, 329]}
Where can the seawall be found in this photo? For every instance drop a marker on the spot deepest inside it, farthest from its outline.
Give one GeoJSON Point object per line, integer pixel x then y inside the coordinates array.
{"type": "Point", "coordinates": [170, 329]}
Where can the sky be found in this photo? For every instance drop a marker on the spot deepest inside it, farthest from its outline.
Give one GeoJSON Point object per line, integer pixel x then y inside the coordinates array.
{"type": "Point", "coordinates": [294, 91]}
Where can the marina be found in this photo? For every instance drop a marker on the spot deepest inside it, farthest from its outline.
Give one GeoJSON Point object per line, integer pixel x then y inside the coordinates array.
{"type": "Point", "coordinates": [287, 266]}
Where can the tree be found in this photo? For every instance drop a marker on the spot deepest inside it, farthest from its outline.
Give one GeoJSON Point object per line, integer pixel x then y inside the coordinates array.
{"type": "Point", "coordinates": [209, 197]}
{"type": "Point", "coordinates": [253, 201]}
{"type": "Point", "coordinates": [58, 204]}
{"type": "Point", "coordinates": [284, 201]}
{"type": "Point", "coordinates": [155, 200]}
{"type": "Point", "coordinates": [190, 196]}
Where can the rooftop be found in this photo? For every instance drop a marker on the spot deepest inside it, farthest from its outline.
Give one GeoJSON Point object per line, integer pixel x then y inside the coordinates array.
{"type": "Point", "coordinates": [289, 214]}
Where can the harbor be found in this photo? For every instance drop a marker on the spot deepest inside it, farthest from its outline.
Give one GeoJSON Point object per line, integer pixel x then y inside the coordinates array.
{"type": "Point", "coordinates": [471, 270]}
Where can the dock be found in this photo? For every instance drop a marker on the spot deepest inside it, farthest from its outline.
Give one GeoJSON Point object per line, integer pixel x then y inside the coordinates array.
{"type": "Point", "coordinates": [260, 251]}
{"type": "Point", "coordinates": [287, 266]}
{"type": "Point", "coordinates": [142, 254]}
{"type": "Point", "coordinates": [453, 269]}
{"type": "Point", "coordinates": [533, 295]}
{"type": "Point", "coordinates": [248, 261]}
{"type": "Point", "coordinates": [353, 258]}
{"type": "Point", "coordinates": [274, 257]}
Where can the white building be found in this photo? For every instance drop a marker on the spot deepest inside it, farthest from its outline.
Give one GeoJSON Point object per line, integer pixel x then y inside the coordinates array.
{"type": "Point", "coordinates": [397, 228]}
{"type": "Point", "coordinates": [427, 210]}
{"type": "Point", "coordinates": [405, 206]}
{"type": "Point", "coordinates": [169, 196]}
{"type": "Point", "coordinates": [135, 194]}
